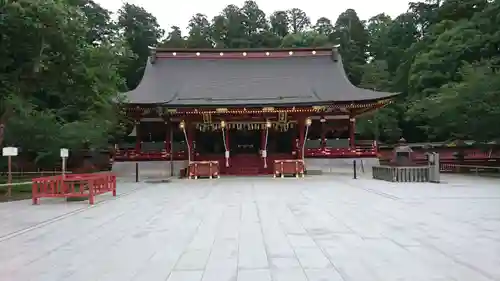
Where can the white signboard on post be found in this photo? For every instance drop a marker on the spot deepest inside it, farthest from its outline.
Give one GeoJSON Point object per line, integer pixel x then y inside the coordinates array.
{"type": "Point", "coordinates": [64, 153]}
{"type": "Point", "coordinates": [9, 151]}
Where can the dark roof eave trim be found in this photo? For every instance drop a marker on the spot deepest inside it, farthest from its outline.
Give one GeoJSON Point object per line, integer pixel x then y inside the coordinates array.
{"type": "Point", "coordinates": [171, 105]}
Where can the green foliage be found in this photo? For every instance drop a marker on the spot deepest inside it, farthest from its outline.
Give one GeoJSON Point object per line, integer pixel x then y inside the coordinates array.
{"type": "Point", "coordinates": [446, 98]}
{"type": "Point", "coordinates": [140, 30]}
{"type": "Point", "coordinates": [476, 95]}
{"type": "Point", "coordinates": [60, 76]}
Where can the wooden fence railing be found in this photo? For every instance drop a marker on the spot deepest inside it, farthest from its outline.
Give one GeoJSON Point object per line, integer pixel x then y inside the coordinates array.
{"type": "Point", "coordinates": [75, 185]}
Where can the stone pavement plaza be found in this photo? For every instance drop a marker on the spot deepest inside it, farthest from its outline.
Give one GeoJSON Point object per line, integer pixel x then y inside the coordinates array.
{"type": "Point", "coordinates": [324, 228]}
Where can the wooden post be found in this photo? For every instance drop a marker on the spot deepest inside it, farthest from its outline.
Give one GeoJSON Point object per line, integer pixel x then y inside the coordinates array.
{"type": "Point", "coordinates": [136, 171]}
{"type": "Point", "coordinates": [91, 185]}
{"type": "Point", "coordinates": [9, 177]}
{"type": "Point", "coordinates": [354, 169]}
{"type": "Point", "coordinates": [63, 166]}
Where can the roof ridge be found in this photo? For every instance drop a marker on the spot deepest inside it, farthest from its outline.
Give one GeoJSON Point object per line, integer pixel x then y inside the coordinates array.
{"type": "Point", "coordinates": [239, 50]}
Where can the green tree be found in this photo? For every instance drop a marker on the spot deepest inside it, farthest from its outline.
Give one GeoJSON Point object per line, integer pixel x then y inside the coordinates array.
{"type": "Point", "coordinates": [324, 26]}
{"type": "Point", "coordinates": [98, 20]}
{"type": "Point", "coordinates": [237, 36]}
{"type": "Point", "coordinates": [425, 14]}
{"type": "Point", "coordinates": [352, 36]}
{"type": "Point", "coordinates": [466, 109]}
{"type": "Point", "coordinates": [199, 32]}
{"type": "Point", "coordinates": [59, 87]}
{"type": "Point", "coordinates": [141, 31]}
{"type": "Point", "coordinates": [219, 31]}
{"type": "Point", "coordinates": [456, 10]}
{"type": "Point", "coordinates": [279, 23]}
{"type": "Point", "coordinates": [305, 39]}
{"type": "Point", "coordinates": [174, 39]}
{"type": "Point", "coordinates": [378, 31]}
{"type": "Point", "coordinates": [382, 124]}
{"type": "Point", "coordinates": [298, 20]}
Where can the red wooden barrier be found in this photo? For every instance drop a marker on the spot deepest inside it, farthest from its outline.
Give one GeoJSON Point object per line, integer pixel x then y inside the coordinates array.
{"type": "Point", "coordinates": [292, 167]}
{"type": "Point", "coordinates": [208, 169]}
{"type": "Point", "coordinates": [74, 185]}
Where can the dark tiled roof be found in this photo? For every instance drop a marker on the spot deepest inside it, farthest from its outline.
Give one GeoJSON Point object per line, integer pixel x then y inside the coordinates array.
{"type": "Point", "coordinates": [182, 81]}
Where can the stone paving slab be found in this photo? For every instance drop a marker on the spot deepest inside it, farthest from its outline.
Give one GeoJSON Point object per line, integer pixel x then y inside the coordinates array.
{"type": "Point", "coordinates": [18, 216]}
{"type": "Point", "coordinates": [323, 228]}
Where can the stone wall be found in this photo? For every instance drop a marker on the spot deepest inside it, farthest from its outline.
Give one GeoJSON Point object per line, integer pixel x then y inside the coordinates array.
{"type": "Point", "coordinates": [147, 170]}
{"type": "Point", "coordinates": [402, 174]}
{"type": "Point", "coordinates": [339, 165]}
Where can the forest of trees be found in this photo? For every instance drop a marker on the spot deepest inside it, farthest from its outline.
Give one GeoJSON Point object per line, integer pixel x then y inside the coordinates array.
{"type": "Point", "coordinates": [64, 63]}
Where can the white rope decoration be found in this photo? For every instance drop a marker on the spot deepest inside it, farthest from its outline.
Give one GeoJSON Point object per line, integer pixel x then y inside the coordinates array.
{"type": "Point", "coordinates": [264, 152]}
{"type": "Point", "coordinates": [304, 142]}
{"type": "Point", "coordinates": [187, 144]}
{"type": "Point", "coordinates": [225, 146]}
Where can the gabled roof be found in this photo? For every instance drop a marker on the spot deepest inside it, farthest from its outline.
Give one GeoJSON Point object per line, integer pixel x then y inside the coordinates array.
{"type": "Point", "coordinates": [211, 77]}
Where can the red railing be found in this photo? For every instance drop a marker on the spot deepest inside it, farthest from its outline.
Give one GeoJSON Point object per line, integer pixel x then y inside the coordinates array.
{"type": "Point", "coordinates": [339, 153]}
{"type": "Point", "coordinates": [133, 155]}
{"type": "Point", "coordinates": [449, 153]}
{"type": "Point", "coordinates": [74, 185]}
{"type": "Point", "coordinates": [363, 149]}
{"type": "Point", "coordinates": [209, 169]}
{"type": "Point", "coordinates": [293, 167]}
{"type": "Point", "coordinates": [466, 169]}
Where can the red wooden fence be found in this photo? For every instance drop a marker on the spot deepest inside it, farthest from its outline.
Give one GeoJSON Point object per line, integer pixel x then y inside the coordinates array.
{"type": "Point", "coordinates": [74, 185]}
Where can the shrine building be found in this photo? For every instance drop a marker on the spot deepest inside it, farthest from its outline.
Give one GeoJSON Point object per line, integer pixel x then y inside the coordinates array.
{"type": "Point", "coordinates": [245, 110]}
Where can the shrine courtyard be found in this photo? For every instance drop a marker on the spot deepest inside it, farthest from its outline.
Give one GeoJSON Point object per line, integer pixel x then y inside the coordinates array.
{"type": "Point", "coordinates": [324, 228]}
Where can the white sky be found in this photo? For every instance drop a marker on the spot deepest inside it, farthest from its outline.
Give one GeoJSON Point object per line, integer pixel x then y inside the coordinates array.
{"type": "Point", "coordinates": [169, 12]}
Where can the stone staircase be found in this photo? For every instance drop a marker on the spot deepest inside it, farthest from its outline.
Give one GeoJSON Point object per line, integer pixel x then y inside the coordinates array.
{"type": "Point", "coordinates": [246, 165]}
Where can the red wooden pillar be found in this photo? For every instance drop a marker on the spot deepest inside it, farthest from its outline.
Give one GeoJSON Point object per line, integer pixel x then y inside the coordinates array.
{"type": "Point", "coordinates": [190, 131]}
{"type": "Point", "coordinates": [352, 130]}
{"type": "Point", "coordinates": [323, 132]}
{"type": "Point", "coordinates": [137, 136]}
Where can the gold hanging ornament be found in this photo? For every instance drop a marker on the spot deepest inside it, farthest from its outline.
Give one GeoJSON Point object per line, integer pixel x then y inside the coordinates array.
{"type": "Point", "coordinates": [282, 116]}
{"type": "Point", "coordinates": [207, 118]}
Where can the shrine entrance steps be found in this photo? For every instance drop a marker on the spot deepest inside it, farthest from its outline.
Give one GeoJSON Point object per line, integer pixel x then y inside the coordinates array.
{"type": "Point", "coordinates": [246, 165]}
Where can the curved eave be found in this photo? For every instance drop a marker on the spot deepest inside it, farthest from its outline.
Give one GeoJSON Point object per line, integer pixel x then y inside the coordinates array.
{"type": "Point", "coordinates": [371, 102]}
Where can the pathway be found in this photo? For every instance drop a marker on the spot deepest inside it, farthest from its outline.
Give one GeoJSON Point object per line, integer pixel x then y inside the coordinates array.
{"type": "Point", "coordinates": [261, 229]}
